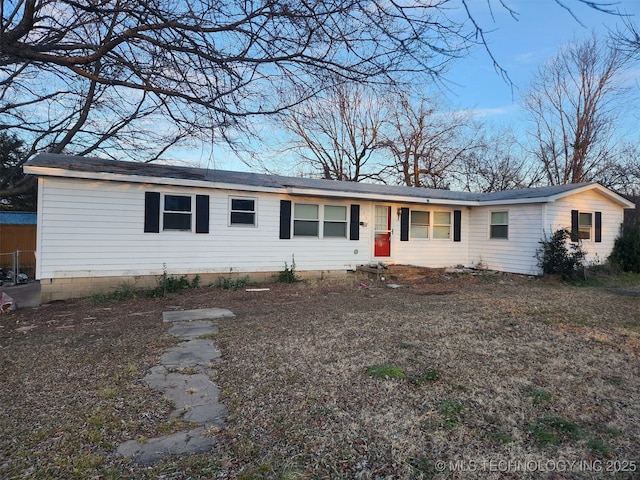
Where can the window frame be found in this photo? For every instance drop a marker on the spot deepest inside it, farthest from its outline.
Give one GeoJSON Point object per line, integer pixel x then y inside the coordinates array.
{"type": "Point", "coordinates": [491, 225]}
{"type": "Point", "coordinates": [440, 225]}
{"type": "Point", "coordinates": [344, 223]}
{"type": "Point", "coordinates": [413, 225]}
{"type": "Point", "coordinates": [164, 211]}
{"type": "Point", "coordinates": [581, 229]}
{"type": "Point", "coordinates": [254, 212]}
{"type": "Point", "coordinates": [321, 221]}
{"type": "Point", "coordinates": [295, 219]}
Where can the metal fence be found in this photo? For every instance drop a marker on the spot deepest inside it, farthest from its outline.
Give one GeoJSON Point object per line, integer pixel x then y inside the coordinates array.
{"type": "Point", "coordinates": [18, 266]}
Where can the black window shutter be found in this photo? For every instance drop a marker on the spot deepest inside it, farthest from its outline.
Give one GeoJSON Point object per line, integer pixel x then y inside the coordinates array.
{"type": "Point", "coordinates": [202, 213]}
{"type": "Point", "coordinates": [457, 225]}
{"type": "Point", "coordinates": [151, 212]}
{"type": "Point", "coordinates": [404, 224]}
{"type": "Point", "coordinates": [574, 226]}
{"type": "Point", "coordinates": [598, 233]}
{"type": "Point", "coordinates": [354, 223]}
{"type": "Point", "coordinates": [285, 219]}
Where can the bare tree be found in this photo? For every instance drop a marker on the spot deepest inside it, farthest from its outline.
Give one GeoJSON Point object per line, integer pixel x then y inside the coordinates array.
{"type": "Point", "coordinates": [498, 163]}
{"type": "Point", "coordinates": [573, 105]}
{"type": "Point", "coordinates": [337, 135]}
{"type": "Point", "coordinates": [623, 173]}
{"type": "Point", "coordinates": [135, 77]}
{"type": "Point", "coordinates": [427, 143]}
{"type": "Point", "coordinates": [629, 37]}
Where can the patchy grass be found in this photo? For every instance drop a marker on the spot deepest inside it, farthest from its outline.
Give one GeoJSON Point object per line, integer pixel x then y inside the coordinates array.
{"type": "Point", "coordinates": [336, 381]}
{"type": "Point", "coordinates": [385, 372]}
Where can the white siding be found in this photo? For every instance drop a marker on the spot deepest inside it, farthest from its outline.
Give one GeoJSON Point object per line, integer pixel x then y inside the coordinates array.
{"type": "Point", "coordinates": [558, 215]}
{"type": "Point", "coordinates": [431, 252]}
{"type": "Point", "coordinates": [96, 229]}
{"type": "Point", "coordinates": [528, 224]}
{"type": "Point", "coordinates": [515, 254]}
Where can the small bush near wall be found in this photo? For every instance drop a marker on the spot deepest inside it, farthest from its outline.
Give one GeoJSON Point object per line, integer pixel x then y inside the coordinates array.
{"type": "Point", "coordinates": [288, 275]}
{"type": "Point", "coordinates": [556, 258]}
{"type": "Point", "coordinates": [626, 250]}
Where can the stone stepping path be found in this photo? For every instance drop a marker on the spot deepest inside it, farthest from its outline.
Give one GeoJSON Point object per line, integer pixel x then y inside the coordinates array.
{"type": "Point", "coordinates": [194, 395]}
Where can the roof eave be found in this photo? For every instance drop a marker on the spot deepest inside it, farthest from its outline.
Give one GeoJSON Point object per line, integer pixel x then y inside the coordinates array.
{"type": "Point", "coordinates": [297, 191]}
{"type": "Point", "coordinates": [115, 177]}
{"type": "Point", "coordinates": [611, 195]}
{"type": "Point", "coordinates": [293, 191]}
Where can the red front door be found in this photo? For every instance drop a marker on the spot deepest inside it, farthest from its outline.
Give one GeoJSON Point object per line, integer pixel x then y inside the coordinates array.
{"type": "Point", "coordinates": [382, 232]}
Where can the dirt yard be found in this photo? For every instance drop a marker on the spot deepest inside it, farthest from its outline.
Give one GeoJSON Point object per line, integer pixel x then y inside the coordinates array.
{"type": "Point", "coordinates": [466, 377]}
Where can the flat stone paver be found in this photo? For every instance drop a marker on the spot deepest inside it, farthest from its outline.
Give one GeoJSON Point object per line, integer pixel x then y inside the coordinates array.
{"type": "Point", "coordinates": [194, 396]}
{"type": "Point", "coordinates": [199, 314]}
{"type": "Point", "coordinates": [181, 443]}
{"type": "Point", "coordinates": [192, 353]}
{"type": "Point", "coordinates": [193, 329]}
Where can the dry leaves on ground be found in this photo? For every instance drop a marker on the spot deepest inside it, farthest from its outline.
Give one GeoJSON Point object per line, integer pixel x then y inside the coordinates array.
{"type": "Point", "coordinates": [332, 380]}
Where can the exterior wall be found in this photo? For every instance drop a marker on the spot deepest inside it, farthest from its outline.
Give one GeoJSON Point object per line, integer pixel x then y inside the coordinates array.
{"type": "Point", "coordinates": [515, 254]}
{"type": "Point", "coordinates": [431, 252]}
{"type": "Point", "coordinates": [558, 215]}
{"type": "Point", "coordinates": [95, 229]}
{"type": "Point", "coordinates": [91, 237]}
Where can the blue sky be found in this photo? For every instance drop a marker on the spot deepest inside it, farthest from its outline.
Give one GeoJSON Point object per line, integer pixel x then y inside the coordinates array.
{"type": "Point", "coordinates": [520, 46]}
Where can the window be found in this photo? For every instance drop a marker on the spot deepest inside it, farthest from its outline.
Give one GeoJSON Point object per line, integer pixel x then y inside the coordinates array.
{"type": "Point", "coordinates": [243, 211]}
{"type": "Point", "coordinates": [335, 221]}
{"type": "Point", "coordinates": [584, 226]}
{"type": "Point", "coordinates": [419, 224]}
{"type": "Point", "coordinates": [442, 225]}
{"type": "Point", "coordinates": [177, 212]}
{"type": "Point", "coordinates": [305, 220]}
{"type": "Point", "coordinates": [499, 225]}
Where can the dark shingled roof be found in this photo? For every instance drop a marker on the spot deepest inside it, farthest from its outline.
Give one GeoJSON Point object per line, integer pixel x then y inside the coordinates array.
{"type": "Point", "coordinates": [154, 170]}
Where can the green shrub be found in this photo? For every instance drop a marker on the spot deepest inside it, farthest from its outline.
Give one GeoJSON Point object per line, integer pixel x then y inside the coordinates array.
{"type": "Point", "coordinates": [626, 249]}
{"type": "Point", "coordinates": [170, 284]}
{"type": "Point", "coordinates": [125, 291]}
{"type": "Point", "coordinates": [228, 283]}
{"type": "Point", "coordinates": [288, 275]}
{"type": "Point", "coordinates": [555, 258]}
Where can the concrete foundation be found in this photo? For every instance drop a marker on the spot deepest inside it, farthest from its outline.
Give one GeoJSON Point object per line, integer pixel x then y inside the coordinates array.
{"type": "Point", "coordinates": [52, 289]}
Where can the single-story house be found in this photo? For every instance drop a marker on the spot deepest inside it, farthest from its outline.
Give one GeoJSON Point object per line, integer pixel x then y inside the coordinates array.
{"type": "Point", "coordinates": [102, 222]}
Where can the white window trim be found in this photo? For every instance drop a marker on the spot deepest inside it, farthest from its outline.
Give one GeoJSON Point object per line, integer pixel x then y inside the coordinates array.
{"type": "Point", "coordinates": [434, 224]}
{"type": "Point", "coordinates": [591, 227]}
{"type": "Point", "coordinates": [293, 220]}
{"type": "Point", "coordinates": [255, 212]}
{"type": "Point", "coordinates": [163, 211]}
{"type": "Point", "coordinates": [429, 225]}
{"type": "Point", "coordinates": [345, 222]}
{"type": "Point", "coordinates": [498, 239]}
{"type": "Point", "coordinates": [321, 221]}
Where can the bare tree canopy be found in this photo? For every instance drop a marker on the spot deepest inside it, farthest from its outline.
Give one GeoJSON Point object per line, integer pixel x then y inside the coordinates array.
{"type": "Point", "coordinates": [498, 163]}
{"type": "Point", "coordinates": [337, 135]}
{"type": "Point", "coordinates": [133, 78]}
{"type": "Point", "coordinates": [88, 70]}
{"type": "Point", "coordinates": [573, 105]}
{"type": "Point", "coordinates": [629, 37]}
{"type": "Point", "coordinates": [427, 143]}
